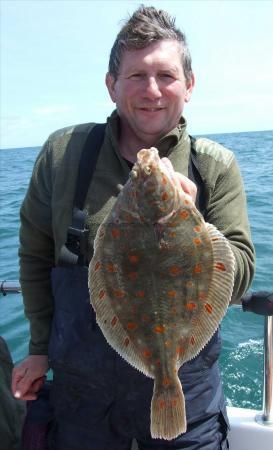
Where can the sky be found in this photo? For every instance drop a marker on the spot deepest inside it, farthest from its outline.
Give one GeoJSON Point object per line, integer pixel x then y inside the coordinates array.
{"type": "Point", "coordinates": [54, 57]}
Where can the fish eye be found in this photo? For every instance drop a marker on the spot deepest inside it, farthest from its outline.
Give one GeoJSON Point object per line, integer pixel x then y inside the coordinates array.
{"type": "Point", "coordinates": [147, 170]}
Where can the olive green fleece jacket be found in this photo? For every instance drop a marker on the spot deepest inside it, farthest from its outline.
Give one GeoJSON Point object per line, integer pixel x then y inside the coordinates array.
{"type": "Point", "coordinates": [46, 210]}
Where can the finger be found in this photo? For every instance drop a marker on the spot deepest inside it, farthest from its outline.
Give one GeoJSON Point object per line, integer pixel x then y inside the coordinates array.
{"type": "Point", "coordinates": [24, 384]}
{"type": "Point", "coordinates": [37, 384]}
{"type": "Point", "coordinates": [167, 163]}
{"type": "Point", "coordinates": [188, 186]}
{"type": "Point", "coordinates": [31, 394]}
{"type": "Point", "coordinates": [28, 396]}
{"type": "Point", "coordinates": [17, 374]}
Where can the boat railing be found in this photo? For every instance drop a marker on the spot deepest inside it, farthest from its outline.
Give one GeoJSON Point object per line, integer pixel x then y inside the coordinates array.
{"type": "Point", "coordinates": [262, 303]}
{"type": "Point", "coordinates": [256, 302]}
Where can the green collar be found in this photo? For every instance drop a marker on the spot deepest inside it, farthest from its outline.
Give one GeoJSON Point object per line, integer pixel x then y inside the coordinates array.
{"type": "Point", "coordinates": [164, 145]}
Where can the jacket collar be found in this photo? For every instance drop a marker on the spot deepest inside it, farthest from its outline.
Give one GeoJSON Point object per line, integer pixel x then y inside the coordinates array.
{"type": "Point", "coordinates": [165, 145]}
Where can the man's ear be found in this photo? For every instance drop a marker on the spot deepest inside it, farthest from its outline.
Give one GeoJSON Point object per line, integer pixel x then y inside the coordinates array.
{"type": "Point", "coordinates": [110, 83]}
{"type": "Point", "coordinates": [190, 86]}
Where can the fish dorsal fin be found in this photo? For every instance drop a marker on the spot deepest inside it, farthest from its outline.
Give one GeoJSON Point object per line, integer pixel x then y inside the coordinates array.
{"type": "Point", "coordinates": [214, 306]}
{"type": "Point", "coordinates": [113, 330]}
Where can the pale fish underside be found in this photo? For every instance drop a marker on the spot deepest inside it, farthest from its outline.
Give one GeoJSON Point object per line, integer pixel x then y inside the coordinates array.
{"type": "Point", "coordinates": [160, 282]}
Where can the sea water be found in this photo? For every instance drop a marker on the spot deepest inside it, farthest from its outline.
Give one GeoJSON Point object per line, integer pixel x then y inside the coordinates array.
{"type": "Point", "coordinates": [242, 355]}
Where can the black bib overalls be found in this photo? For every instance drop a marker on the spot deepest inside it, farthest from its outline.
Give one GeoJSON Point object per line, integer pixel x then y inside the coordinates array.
{"type": "Point", "coordinates": [101, 402]}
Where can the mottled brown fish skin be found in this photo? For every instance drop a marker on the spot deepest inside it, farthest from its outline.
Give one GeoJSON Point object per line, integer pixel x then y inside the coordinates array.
{"type": "Point", "coordinates": [160, 282]}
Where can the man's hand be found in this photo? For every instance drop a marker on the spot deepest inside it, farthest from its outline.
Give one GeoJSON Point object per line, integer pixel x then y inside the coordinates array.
{"type": "Point", "coordinates": [28, 377]}
{"type": "Point", "coordinates": [187, 185]}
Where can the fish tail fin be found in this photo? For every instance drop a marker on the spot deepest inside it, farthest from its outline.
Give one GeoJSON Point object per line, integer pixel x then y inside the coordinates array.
{"type": "Point", "coordinates": [168, 413]}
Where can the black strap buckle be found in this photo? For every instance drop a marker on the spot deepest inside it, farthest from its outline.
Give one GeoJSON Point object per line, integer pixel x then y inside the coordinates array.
{"type": "Point", "coordinates": [74, 251]}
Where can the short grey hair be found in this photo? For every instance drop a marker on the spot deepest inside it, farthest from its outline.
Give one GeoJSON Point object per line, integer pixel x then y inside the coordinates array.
{"type": "Point", "coordinates": [145, 26]}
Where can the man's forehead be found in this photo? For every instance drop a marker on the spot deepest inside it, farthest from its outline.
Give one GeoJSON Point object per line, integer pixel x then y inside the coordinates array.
{"type": "Point", "coordinates": [165, 52]}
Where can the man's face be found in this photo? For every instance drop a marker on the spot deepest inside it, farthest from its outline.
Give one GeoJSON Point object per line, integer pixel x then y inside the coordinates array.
{"type": "Point", "coordinates": [150, 91]}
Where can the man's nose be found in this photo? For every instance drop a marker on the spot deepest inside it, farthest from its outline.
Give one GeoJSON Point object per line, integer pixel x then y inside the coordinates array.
{"type": "Point", "coordinates": [152, 88]}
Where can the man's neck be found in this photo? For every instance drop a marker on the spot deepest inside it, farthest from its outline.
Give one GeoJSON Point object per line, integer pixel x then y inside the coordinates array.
{"type": "Point", "coordinates": [130, 145]}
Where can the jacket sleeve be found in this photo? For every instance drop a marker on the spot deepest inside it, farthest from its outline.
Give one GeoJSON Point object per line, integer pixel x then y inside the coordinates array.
{"type": "Point", "coordinates": [227, 210]}
{"type": "Point", "coordinates": [36, 252]}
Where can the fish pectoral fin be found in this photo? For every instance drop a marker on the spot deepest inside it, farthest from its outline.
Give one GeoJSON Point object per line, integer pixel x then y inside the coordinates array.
{"type": "Point", "coordinates": [168, 413]}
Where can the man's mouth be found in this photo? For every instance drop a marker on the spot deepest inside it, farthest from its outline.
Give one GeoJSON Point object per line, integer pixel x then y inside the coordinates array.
{"type": "Point", "coordinates": [149, 109]}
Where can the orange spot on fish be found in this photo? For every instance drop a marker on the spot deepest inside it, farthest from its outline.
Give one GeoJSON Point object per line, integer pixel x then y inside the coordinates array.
{"type": "Point", "coordinates": [172, 234]}
{"type": "Point", "coordinates": [145, 318]}
{"type": "Point", "coordinates": [197, 229]}
{"type": "Point", "coordinates": [101, 294]}
{"type": "Point", "coordinates": [164, 196]}
{"type": "Point", "coordinates": [164, 180]}
{"type": "Point", "coordinates": [118, 293]}
{"type": "Point", "coordinates": [126, 342]}
{"type": "Point", "coordinates": [174, 402]}
{"type": "Point", "coordinates": [197, 268]}
{"type": "Point", "coordinates": [171, 294]}
{"type": "Point", "coordinates": [115, 233]}
{"type": "Point", "coordinates": [197, 241]}
{"type": "Point", "coordinates": [220, 266]}
{"type": "Point", "coordinates": [114, 321]}
{"type": "Point", "coordinates": [147, 353]}
{"type": "Point", "coordinates": [180, 350]}
{"type": "Point", "coordinates": [175, 270]}
{"type": "Point", "coordinates": [140, 294]}
{"type": "Point", "coordinates": [208, 308]}
{"type": "Point", "coordinates": [166, 381]}
{"type": "Point", "coordinates": [159, 329]}
{"type": "Point", "coordinates": [186, 202]}
{"type": "Point", "coordinates": [184, 215]}
{"type": "Point", "coordinates": [168, 343]}
{"type": "Point", "coordinates": [162, 404]}
{"type": "Point", "coordinates": [134, 259]}
{"type": "Point", "coordinates": [132, 276]}
{"type": "Point", "coordinates": [158, 362]}
{"type": "Point", "coordinates": [173, 310]}
{"type": "Point", "coordinates": [132, 326]}
{"type": "Point", "coordinates": [191, 306]}
{"type": "Point", "coordinates": [111, 268]}
{"type": "Point", "coordinates": [97, 266]}
{"type": "Point", "coordinates": [172, 224]}
{"type": "Point", "coordinates": [192, 340]}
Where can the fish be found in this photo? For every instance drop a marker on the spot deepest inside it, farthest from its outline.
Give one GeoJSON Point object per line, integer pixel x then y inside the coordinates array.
{"type": "Point", "coordinates": [160, 282]}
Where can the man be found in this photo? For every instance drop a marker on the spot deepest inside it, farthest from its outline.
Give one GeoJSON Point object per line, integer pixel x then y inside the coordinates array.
{"type": "Point", "coordinates": [100, 402]}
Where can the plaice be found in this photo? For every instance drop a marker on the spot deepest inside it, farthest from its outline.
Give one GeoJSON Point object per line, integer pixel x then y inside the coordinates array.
{"type": "Point", "coordinates": [160, 281]}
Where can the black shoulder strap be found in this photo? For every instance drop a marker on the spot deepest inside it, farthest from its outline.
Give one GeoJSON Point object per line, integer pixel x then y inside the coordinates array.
{"type": "Point", "coordinates": [87, 164]}
{"type": "Point", "coordinates": [74, 251]}
{"type": "Point", "coordinates": [194, 175]}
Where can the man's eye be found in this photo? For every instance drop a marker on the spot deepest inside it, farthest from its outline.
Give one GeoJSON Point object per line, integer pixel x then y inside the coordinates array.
{"type": "Point", "coordinates": [135, 76]}
{"type": "Point", "coordinates": [166, 75]}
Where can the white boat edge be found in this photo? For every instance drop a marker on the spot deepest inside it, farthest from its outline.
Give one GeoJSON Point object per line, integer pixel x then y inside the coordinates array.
{"type": "Point", "coordinates": [245, 432]}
